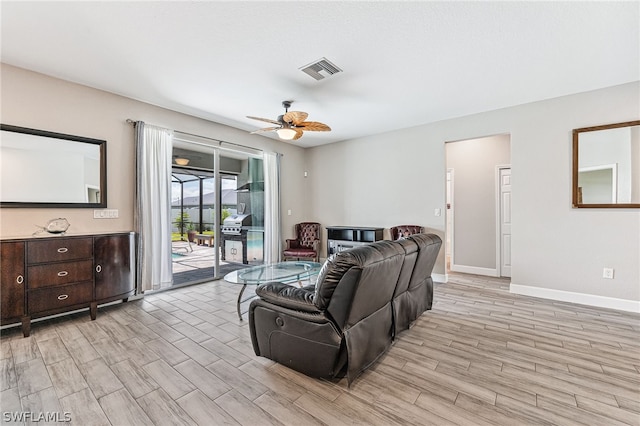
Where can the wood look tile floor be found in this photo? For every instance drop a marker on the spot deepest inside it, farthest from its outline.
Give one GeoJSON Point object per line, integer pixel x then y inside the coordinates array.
{"type": "Point", "coordinates": [482, 356]}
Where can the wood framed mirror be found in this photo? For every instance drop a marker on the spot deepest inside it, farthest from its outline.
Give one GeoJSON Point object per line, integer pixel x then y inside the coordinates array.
{"type": "Point", "coordinates": [606, 166]}
{"type": "Point", "coordinates": [47, 169]}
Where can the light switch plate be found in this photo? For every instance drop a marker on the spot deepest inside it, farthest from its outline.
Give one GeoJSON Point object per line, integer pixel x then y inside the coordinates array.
{"type": "Point", "coordinates": [105, 214]}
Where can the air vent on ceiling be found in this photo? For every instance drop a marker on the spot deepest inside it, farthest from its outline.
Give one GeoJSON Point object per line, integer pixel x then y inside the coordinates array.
{"type": "Point", "coordinates": [320, 69]}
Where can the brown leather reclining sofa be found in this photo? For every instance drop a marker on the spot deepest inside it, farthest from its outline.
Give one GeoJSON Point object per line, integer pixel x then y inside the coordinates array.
{"type": "Point", "coordinates": [362, 299]}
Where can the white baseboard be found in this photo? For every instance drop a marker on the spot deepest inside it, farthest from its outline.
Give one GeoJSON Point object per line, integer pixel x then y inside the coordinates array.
{"type": "Point", "coordinates": [580, 298]}
{"type": "Point", "coordinates": [476, 270]}
{"type": "Point", "coordinates": [440, 278]}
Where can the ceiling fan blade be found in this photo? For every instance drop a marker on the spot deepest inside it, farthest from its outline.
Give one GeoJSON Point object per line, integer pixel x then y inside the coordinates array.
{"type": "Point", "coordinates": [266, 129]}
{"type": "Point", "coordinates": [295, 117]}
{"type": "Point", "coordinates": [314, 126]}
{"type": "Point", "coordinates": [298, 135]}
{"type": "Point", "coordinates": [268, 120]}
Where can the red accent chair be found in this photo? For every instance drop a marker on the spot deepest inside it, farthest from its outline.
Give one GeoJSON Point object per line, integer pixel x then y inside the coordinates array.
{"type": "Point", "coordinates": [306, 245]}
{"type": "Point", "coordinates": [403, 231]}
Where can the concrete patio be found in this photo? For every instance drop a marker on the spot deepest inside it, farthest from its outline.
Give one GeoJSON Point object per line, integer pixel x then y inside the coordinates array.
{"type": "Point", "coordinates": [195, 263]}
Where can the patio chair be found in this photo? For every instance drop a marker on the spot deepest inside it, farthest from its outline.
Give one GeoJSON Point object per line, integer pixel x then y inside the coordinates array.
{"type": "Point", "coordinates": [178, 249]}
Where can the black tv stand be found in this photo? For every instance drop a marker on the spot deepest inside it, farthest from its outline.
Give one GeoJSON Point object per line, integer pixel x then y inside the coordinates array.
{"type": "Point", "coordinates": [341, 238]}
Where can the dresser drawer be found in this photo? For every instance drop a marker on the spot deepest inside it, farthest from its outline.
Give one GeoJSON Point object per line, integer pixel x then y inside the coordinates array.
{"type": "Point", "coordinates": [49, 299]}
{"type": "Point", "coordinates": [56, 274]}
{"type": "Point", "coordinates": [59, 250]}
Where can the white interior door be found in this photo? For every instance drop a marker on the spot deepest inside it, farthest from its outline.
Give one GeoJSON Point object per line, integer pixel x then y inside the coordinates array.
{"type": "Point", "coordinates": [505, 222]}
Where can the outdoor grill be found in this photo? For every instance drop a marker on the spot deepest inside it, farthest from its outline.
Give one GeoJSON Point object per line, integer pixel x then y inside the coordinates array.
{"type": "Point", "coordinates": [234, 223]}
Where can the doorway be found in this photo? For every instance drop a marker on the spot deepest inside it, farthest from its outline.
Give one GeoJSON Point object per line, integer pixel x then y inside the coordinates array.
{"type": "Point", "coordinates": [202, 199]}
{"type": "Point", "coordinates": [474, 237]}
{"type": "Point", "coordinates": [598, 184]}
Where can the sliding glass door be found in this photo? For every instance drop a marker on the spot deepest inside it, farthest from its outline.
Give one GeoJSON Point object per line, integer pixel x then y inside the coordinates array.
{"type": "Point", "coordinates": [209, 185]}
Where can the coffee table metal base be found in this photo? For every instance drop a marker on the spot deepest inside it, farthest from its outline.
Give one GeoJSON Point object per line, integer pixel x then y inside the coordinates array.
{"type": "Point", "coordinates": [240, 300]}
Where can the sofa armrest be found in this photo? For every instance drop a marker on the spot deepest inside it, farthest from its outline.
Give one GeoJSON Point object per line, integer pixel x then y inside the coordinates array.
{"type": "Point", "coordinates": [306, 341]}
{"type": "Point", "coordinates": [287, 296]}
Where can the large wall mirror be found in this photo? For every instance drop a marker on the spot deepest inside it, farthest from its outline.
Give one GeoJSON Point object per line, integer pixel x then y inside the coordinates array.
{"type": "Point", "coordinates": [606, 166]}
{"type": "Point", "coordinates": [46, 169]}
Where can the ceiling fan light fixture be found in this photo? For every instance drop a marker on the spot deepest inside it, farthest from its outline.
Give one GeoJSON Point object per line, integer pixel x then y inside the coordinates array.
{"type": "Point", "coordinates": [182, 161]}
{"type": "Point", "coordinates": [286, 133]}
{"type": "Point", "coordinates": [291, 124]}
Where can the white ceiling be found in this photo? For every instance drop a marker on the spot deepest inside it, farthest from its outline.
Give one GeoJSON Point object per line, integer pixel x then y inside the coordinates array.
{"type": "Point", "coordinates": [404, 63]}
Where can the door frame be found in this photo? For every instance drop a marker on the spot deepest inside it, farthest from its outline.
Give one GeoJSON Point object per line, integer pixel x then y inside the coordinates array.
{"type": "Point", "coordinates": [449, 213]}
{"type": "Point", "coordinates": [499, 168]}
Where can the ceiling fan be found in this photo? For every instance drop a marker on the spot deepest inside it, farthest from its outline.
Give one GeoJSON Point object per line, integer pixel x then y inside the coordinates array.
{"type": "Point", "coordinates": [291, 124]}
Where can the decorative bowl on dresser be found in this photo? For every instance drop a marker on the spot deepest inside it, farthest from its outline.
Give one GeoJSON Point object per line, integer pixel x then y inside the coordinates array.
{"type": "Point", "coordinates": [44, 276]}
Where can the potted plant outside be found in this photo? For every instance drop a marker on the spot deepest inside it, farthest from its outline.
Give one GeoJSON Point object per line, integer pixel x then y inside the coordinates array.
{"type": "Point", "coordinates": [191, 232]}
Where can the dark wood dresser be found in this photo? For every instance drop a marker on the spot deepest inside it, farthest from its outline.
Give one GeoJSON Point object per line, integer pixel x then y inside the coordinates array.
{"type": "Point", "coordinates": [43, 276]}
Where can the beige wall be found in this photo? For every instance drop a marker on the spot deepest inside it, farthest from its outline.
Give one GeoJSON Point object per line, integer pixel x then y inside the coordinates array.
{"type": "Point", "coordinates": [382, 180]}
{"type": "Point", "coordinates": [399, 177]}
{"type": "Point", "coordinates": [33, 100]}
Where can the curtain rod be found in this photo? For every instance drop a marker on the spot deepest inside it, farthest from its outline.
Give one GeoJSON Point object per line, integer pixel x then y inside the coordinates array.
{"type": "Point", "coordinates": [133, 123]}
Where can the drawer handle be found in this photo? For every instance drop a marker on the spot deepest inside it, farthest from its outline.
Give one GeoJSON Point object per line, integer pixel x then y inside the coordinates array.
{"type": "Point", "coordinates": [63, 273]}
{"type": "Point", "coordinates": [63, 296]}
{"type": "Point", "coordinates": [20, 279]}
{"type": "Point", "coordinates": [98, 268]}
{"type": "Point", "coordinates": [63, 250]}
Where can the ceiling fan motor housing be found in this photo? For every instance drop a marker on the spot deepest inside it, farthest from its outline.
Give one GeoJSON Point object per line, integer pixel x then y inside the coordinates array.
{"type": "Point", "coordinates": [282, 121]}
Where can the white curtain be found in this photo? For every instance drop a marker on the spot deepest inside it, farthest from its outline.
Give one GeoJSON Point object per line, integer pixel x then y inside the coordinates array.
{"type": "Point", "coordinates": [153, 206]}
{"type": "Point", "coordinates": [272, 238]}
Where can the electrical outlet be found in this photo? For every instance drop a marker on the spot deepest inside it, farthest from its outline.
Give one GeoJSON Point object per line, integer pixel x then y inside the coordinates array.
{"type": "Point", "coordinates": [607, 273]}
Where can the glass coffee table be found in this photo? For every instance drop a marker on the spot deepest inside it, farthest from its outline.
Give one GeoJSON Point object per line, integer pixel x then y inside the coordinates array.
{"type": "Point", "coordinates": [284, 272]}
